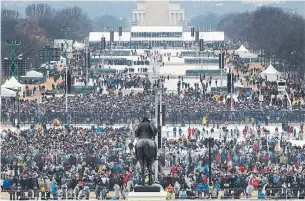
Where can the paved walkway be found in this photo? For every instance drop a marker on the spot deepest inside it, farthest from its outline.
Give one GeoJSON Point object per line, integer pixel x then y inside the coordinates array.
{"type": "Point", "coordinates": [6, 196]}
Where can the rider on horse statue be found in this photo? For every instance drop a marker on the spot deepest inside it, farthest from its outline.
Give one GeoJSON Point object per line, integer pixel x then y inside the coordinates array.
{"type": "Point", "coordinates": [147, 129]}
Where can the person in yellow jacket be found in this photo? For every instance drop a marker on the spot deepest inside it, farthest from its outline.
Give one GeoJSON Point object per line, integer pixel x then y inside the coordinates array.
{"type": "Point", "coordinates": [204, 121]}
{"type": "Point", "coordinates": [43, 190]}
{"type": "Point", "coordinates": [146, 180]}
{"type": "Point", "coordinates": [277, 148]}
{"type": "Point", "coordinates": [211, 188]}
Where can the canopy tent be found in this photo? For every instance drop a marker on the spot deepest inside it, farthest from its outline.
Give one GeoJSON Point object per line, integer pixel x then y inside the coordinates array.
{"type": "Point", "coordinates": [33, 73]}
{"type": "Point", "coordinates": [244, 53]}
{"type": "Point", "coordinates": [7, 93]}
{"type": "Point", "coordinates": [33, 77]}
{"type": "Point", "coordinates": [78, 46]}
{"type": "Point", "coordinates": [271, 73]}
{"type": "Point", "coordinates": [12, 83]}
{"type": "Point", "coordinates": [248, 55]}
{"type": "Point", "coordinates": [241, 49]}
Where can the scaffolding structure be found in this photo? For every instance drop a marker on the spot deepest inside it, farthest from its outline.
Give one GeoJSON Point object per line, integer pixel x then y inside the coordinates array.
{"type": "Point", "coordinates": [13, 44]}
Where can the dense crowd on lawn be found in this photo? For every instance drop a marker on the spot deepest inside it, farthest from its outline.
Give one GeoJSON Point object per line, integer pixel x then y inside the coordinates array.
{"type": "Point", "coordinates": [117, 107]}
{"type": "Point", "coordinates": [124, 81]}
{"type": "Point", "coordinates": [251, 75]}
{"type": "Point", "coordinates": [72, 161]}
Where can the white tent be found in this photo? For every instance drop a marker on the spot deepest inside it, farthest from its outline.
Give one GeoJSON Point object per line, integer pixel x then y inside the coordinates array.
{"type": "Point", "coordinates": [271, 73]}
{"type": "Point", "coordinates": [244, 53]}
{"type": "Point", "coordinates": [33, 73]}
{"type": "Point", "coordinates": [7, 93]}
{"type": "Point", "coordinates": [78, 46]}
{"type": "Point", "coordinates": [12, 83]}
{"type": "Point", "coordinates": [248, 55]}
{"type": "Point", "coordinates": [241, 49]}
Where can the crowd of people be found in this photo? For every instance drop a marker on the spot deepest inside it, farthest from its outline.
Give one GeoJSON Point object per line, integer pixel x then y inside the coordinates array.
{"type": "Point", "coordinates": [272, 96]}
{"type": "Point", "coordinates": [187, 107]}
{"type": "Point", "coordinates": [133, 70]}
{"type": "Point", "coordinates": [72, 161]}
{"type": "Point", "coordinates": [125, 81]}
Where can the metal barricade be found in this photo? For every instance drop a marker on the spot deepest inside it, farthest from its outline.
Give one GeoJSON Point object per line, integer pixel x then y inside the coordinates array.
{"type": "Point", "coordinates": [172, 118]}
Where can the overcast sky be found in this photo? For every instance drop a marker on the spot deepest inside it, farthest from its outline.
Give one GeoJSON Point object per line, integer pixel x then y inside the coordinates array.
{"type": "Point", "coordinates": [192, 7]}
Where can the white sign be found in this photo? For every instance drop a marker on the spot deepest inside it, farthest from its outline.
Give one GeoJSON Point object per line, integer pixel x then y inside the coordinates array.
{"type": "Point", "coordinates": [281, 85]}
{"type": "Point", "coordinates": [64, 45]}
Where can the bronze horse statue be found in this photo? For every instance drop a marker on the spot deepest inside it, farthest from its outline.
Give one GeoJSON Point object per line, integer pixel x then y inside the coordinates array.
{"type": "Point", "coordinates": [146, 148]}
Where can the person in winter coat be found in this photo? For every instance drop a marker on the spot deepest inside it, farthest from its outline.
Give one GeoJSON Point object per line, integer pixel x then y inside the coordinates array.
{"type": "Point", "coordinates": [180, 132]}
{"type": "Point", "coordinates": [48, 183]}
{"type": "Point", "coordinates": [117, 190]}
{"type": "Point", "coordinates": [87, 192]}
{"type": "Point", "coordinates": [70, 194]}
{"type": "Point", "coordinates": [43, 190]}
{"type": "Point", "coordinates": [36, 192]}
{"type": "Point", "coordinates": [97, 191]}
{"type": "Point", "coordinates": [6, 184]}
{"type": "Point", "coordinates": [129, 186]}
{"type": "Point", "coordinates": [177, 188]}
{"type": "Point", "coordinates": [76, 191]}
{"type": "Point", "coordinates": [12, 192]}
{"type": "Point", "coordinates": [41, 182]}
{"type": "Point", "coordinates": [54, 190]}
{"type": "Point", "coordinates": [199, 190]}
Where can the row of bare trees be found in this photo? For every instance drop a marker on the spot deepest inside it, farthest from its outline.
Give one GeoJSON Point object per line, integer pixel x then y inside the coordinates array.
{"type": "Point", "coordinates": [277, 33]}
{"type": "Point", "coordinates": [41, 24]}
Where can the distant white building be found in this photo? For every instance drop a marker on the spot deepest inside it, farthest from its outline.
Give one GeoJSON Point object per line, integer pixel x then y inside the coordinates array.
{"type": "Point", "coordinates": [158, 13]}
{"type": "Point", "coordinates": [157, 23]}
{"type": "Point", "coordinates": [155, 36]}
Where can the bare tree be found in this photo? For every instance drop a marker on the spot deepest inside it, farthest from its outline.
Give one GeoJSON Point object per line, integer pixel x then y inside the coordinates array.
{"type": "Point", "coordinates": [76, 19]}
{"type": "Point", "coordinates": [13, 27]}
{"type": "Point", "coordinates": [104, 21]}
{"type": "Point", "coordinates": [9, 14]}
{"type": "Point", "coordinates": [38, 11]}
{"type": "Point", "coordinates": [41, 24]}
{"type": "Point", "coordinates": [206, 21]}
{"type": "Point", "coordinates": [279, 33]}
{"type": "Point", "coordinates": [31, 29]}
{"type": "Point", "coordinates": [9, 21]}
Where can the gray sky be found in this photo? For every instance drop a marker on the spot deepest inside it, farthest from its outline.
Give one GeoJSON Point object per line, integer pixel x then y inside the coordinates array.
{"type": "Point", "coordinates": [192, 8]}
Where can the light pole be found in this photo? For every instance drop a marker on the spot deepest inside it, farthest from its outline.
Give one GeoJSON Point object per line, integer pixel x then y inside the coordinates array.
{"type": "Point", "coordinates": [66, 88]}
{"type": "Point", "coordinates": [1, 98]}
{"type": "Point", "coordinates": [16, 110]}
{"type": "Point", "coordinates": [156, 138]}
{"type": "Point", "coordinates": [221, 68]}
{"type": "Point", "coordinates": [210, 143]}
{"type": "Point", "coordinates": [231, 86]}
{"type": "Point", "coordinates": [66, 30]}
{"type": "Point", "coordinates": [18, 98]}
{"type": "Point", "coordinates": [87, 58]}
{"type": "Point", "coordinates": [158, 113]}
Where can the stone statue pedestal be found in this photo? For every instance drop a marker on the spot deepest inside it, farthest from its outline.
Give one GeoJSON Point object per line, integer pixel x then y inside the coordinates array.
{"type": "Point", "coordinates": [147, 192]}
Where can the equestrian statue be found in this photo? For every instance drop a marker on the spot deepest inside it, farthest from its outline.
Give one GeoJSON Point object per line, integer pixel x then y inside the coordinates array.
{"type": "Point", "coordinates": [146, 148]}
